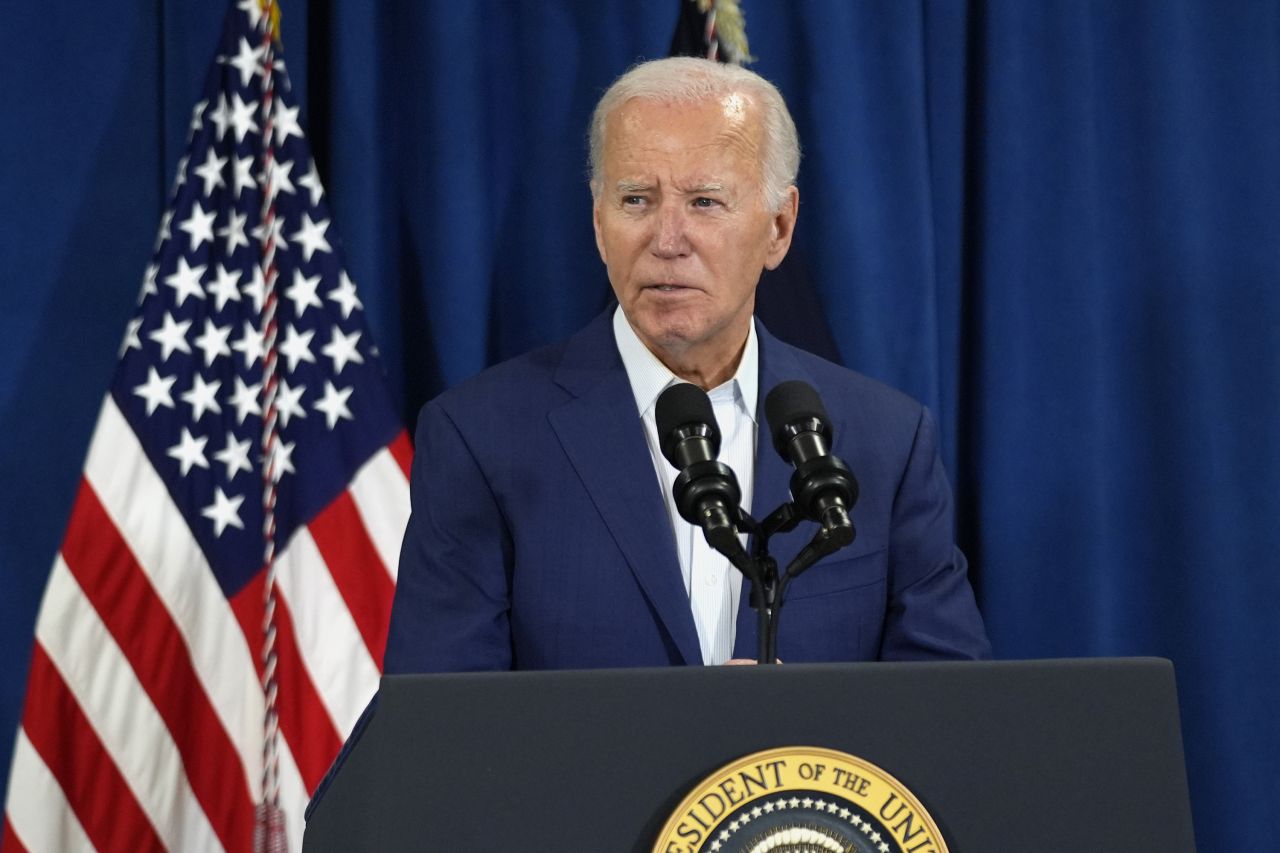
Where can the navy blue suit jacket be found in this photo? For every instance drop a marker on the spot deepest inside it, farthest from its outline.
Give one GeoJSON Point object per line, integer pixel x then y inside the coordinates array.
{"type": "Point", "coordinates": [539, 537]}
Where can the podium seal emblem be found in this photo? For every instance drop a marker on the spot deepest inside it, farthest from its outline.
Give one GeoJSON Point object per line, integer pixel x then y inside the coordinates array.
{"type": "Point", "coordinates": [800, 800]}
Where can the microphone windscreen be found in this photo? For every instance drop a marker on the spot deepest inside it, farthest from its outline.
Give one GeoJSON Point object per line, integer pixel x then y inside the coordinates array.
{"type": "Point", "coordinates": [681, 405]}
{"type": "Point", "coordinates": [788, 402]}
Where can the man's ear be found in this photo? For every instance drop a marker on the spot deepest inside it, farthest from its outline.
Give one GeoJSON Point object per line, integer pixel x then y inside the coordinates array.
{"type": "Point", "coordinates": [783, 228]}
{"type": "Point", "coordinates": [595, 223]}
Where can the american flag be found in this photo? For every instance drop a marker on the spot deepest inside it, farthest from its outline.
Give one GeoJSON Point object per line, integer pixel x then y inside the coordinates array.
{"type": "Point", "coordinates": [143, 726]}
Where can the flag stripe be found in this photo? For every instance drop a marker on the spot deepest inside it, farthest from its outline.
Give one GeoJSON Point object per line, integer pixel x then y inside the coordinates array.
{"type": "Point", "coordinates": [64, 741]}
{"type": "Point", "coordinates": [293, 796]}
{"type": "Point", "coordinates": [357, 570]}
{"type": "Point", "coordinates": [146, 517]}
{"type": "Point", "coordinates": [402, 449]}
{"type": "Point", "coordinates": [9, 842]}
{"type": "Point", "coordinates": [117, 587]}
{"type": "Point", "coordinates": [381, 493]}
{"type": "Point", "coordinates": [304, 722]}
{"type": "Point", "coordinates": [39, 817]}
{"type": "Point", "coordinates": [126, 723]}
{"type": "Point", "coordinates": [333, 652]}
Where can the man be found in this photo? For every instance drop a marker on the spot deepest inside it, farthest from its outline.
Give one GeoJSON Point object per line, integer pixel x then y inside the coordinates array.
{"type": "Point", "coordinates": [543, 533]}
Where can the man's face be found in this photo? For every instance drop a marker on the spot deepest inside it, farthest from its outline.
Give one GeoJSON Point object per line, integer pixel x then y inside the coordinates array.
{"type": "Point", "coordinates": [682, 225]}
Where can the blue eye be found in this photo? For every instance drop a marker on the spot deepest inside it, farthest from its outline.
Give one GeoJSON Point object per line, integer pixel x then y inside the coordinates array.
{"type": "Point", "coordinates": [703, 201]}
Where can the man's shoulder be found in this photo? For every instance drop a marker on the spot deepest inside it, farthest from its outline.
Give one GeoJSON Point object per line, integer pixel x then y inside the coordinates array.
{"type": "Point", "coordinates": [541, 378]}
{"type": "Point", "coordinates": [845, 390]}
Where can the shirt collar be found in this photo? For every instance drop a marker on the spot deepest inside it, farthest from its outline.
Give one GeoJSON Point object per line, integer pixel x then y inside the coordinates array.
{"type": "Point", "coordinates": [649, 377]}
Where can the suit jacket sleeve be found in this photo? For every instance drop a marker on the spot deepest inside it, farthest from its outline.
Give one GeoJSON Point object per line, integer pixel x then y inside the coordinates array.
{"type": "Point", "coordinates": [931, 608]}
{"type": "Point", "coordinates": [452, 602]}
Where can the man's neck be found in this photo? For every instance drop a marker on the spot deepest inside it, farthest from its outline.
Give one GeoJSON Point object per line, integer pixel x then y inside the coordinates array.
{"type": "Point", "coordinates": [707, 367]}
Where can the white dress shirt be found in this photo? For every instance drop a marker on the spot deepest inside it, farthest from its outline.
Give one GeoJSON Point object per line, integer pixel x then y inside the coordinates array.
{"type": "Point", "coordinates": [713, 584]}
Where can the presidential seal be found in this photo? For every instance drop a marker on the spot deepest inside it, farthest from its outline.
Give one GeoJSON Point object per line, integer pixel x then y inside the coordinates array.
{"type": "Point", "coordinates": [800, 800]}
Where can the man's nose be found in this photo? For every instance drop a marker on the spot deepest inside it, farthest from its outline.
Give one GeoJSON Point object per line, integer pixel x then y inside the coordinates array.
{"type": "Point", "coordinates": [670, 239]}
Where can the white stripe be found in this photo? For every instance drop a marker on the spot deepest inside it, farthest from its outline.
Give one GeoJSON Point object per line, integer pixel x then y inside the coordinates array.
{"type": "Point", "coordinates": [293, 798]}
{"type": "Point", "coordinates": [329, 643]}
{"type": "Point", "coordinates": [381, 494]}
{"type": "Point", "coordinates": [131, 730]}
{"type": "Point", "coordinates": [137, 501]}
{"type": "Point", "coordinates": [37, 810]}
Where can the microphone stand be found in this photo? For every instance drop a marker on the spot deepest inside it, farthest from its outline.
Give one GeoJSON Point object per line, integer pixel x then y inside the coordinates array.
{"type": "Point", "coordinates": [768, 587]}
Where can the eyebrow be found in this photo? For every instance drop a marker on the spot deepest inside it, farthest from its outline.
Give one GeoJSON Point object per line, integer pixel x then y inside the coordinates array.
{"type": "Point", "coordinates": [624, 187]}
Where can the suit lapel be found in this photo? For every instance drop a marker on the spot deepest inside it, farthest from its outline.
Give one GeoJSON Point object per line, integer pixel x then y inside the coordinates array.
{"type": "Point", "coordinates": [603, 437]}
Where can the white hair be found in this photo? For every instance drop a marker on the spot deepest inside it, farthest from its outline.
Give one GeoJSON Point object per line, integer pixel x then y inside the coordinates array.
{"type": "Point", "coordinates": [683, 79]}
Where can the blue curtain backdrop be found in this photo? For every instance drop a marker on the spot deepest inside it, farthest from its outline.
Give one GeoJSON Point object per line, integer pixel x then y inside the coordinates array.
{"type": "Point", "coordinates": [1057, 223]}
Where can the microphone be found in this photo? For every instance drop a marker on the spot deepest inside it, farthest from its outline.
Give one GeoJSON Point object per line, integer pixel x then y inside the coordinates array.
{"type": "Point", "coordinates": [822, 487]}
{"type": "Point", "coordinates": [706, 491]}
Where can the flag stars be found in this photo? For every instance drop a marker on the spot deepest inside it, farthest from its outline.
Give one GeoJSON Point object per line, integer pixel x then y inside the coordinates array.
{"type": "Point", "coordinates": [256, 289]}
{"type": "Point", "coordinates": [233, 232]}
{"type": "Point", "coordinates": [242, 117]}
{"type": "Point", "coordinates": [281, 460]}
{"type": "Point", "coordinates": [311, 180]}
{"type": "Point", "coordinates": [197, 117]}
{"type": "Point", "coordinates": [297, 347]}
{"type": "Point", "coordinates": [280, 177]}
{"type": "Point", "coordinates": [157, 391]}
{"type": "Point", "coordinates": [131, 340]}
{"type": "Point", "coordinates": [345, 295]}
{"type": "Point", "coordinates": [250, 345]}
{"type": "Point", "coordinates": [225, 286]}
{"type": "Point", "coordinates": [342, 349]}
{"type": "Point", "coordinates": [245, 399]}
{"type": "Point", "coordinates": [334, 404]}
{"type": "Point", "coordinates": [221, 116]}
{"type": "Point", "coordinates": [303, 293]}
{"type": "Point", "coordinates": [224, 512]}
{"type": "Point", "coordinates": [252, 8]}
{"type": "Point", "coordinates": [248, 61]}
{"type": "Point", "coordinates": [166, 219]}
{"type": "Point", "coordinates": [242, 175]}
{"type": "Point", "coordinates": [213, 341]}
{"type": "Point", "coordinates": [199, 225]}
{"type": "Point", "coordinates": [210, 171]}
{"type": "Point", "coordinates": [311, 236]}
{"type": "Point", "coordinates": [286, 122]}
{"type": "Point", "coordinates": [234, 455]}
{"type": "Point", "coordinates": [171, 336]}
{"type": "Point", "coordinates": [203, 397]}
{"type": "Point", "coordinates": [149, 281]}
{"type": "Point", "coordinates": [189, 451]}
{"type": "Point", "coordinates": [185, 281]}
{"type": "Point", "coordinates": [289, 402]}
{"type": "Point", "coordinates": [276, 231]}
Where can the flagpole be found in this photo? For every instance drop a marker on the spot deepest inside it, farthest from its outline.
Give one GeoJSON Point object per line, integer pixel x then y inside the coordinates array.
{"type": "Point", "coordinates": [269, 833]}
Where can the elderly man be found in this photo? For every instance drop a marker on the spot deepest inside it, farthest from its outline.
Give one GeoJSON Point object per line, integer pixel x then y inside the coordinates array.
{"type": "Point", "coordinates": [543, 534]}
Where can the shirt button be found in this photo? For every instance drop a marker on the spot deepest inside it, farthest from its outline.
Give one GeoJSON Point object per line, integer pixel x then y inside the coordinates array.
{"type": "Point", "coordinates": [711, 579]}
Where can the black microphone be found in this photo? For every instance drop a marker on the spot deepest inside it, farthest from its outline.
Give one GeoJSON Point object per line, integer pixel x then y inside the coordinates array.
{"type": "Point", "coordinates": [706, 491]}
{"type": "Point", "coordinates": [822, 487]}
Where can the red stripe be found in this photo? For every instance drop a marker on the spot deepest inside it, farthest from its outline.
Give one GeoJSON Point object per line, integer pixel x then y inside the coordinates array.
{"type": "Point", "coordinates": [402, 450]}
{"type": "Point", "coordinates": [305, 724]}
{"type": "Point", "coordinates": [142, 626]}
{"type": "Point", "coordinates": [92, 783]}
{"type": "Point", "coordinates": [9, 842]}
{"type": "Point", "coordinates": [357, 569]}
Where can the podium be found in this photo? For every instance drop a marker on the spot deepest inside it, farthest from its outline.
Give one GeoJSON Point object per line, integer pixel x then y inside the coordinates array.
{"type": "Point", "coordinates": [1007, 757]}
